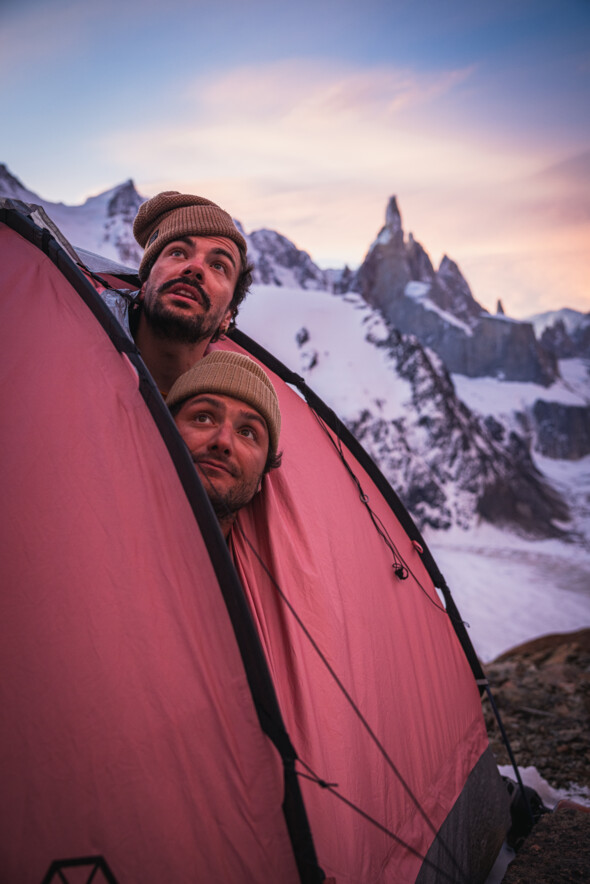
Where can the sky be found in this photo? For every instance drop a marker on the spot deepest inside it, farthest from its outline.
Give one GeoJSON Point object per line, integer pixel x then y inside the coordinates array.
{"type": "Point", "coordinates": [306, 117]}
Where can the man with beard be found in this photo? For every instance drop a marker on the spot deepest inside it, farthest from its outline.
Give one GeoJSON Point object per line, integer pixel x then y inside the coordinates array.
{"type": "Point", "coordinates": [194, 275]}
{"type": "Point", "coordinates": [227, 412]}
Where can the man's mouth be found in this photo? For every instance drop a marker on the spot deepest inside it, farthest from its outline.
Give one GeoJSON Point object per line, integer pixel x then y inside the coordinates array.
{"type": "Point", "coordinates": [184, 289]}
{"type": "Point", "coordinates": [211, 463]}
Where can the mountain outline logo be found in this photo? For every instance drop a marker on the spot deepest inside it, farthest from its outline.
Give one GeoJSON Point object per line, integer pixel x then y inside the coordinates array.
{"type": "Point", "coordinates": [98, 870]}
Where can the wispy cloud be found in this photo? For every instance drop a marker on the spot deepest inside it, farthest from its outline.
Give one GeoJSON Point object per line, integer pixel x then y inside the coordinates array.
{"type": "Point", "coordinates": [314, 149]}
{"type": "Point", "coordinates": [303, 121]}
{"type": "Point", "coordinates": [340, 133]}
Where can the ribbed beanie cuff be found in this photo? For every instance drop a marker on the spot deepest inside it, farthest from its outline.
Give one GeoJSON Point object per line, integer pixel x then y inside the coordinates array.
{"type": "Point", "coordinates": [235, 375]}
{"type": "Point", "coordinates": [172, 215]}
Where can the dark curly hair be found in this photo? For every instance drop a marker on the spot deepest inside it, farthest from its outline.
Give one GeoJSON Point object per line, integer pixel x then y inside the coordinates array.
{"type": "Point", "coordinates": [241, 290]}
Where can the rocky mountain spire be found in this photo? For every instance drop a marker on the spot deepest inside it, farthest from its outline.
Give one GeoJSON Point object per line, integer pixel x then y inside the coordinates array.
{"type": "Point", "coordinates": [125, 201]}
{"type": "Point", "coordinates": [393, 221]}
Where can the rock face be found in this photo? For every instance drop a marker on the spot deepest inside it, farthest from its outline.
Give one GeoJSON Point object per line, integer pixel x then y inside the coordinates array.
{"type": "Point", "coordinates": [103, 224]}
{"type": "Point", "coordinates": [542, 690]}
{"type": "Point", "coordinates": [279, 262]}
{"type": "Point", "coordinates": [121, 210]}
{"type": "Point", "coordinates": [568, 340]}
{"type": "Point", "coordinates": [446, 463]}
{"type": "Point", "coordinates": [398, 279]}
{"type": "Point", "coordinates": [562, 431]}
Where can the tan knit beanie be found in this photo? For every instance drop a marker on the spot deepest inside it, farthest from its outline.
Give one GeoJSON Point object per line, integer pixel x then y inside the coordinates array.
{"type": "Point", "coordinates": [236, 375]}
{"type": "Point", "coordinates": [171, 215]}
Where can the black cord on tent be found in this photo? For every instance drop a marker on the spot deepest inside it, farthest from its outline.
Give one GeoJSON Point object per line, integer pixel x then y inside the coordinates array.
{"type": "Point", "coordinates": [361, 718]}
{"type": "Point", "coordinates": [451, 609]}
{"type": "Point", "coordinates": [506, 741]}
{"type": "Point", "coordinates": [401, 568]}
{"type": "Point", "coordinates": [331, 787]}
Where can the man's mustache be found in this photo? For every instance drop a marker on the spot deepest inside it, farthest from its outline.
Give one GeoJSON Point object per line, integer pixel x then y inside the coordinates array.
{"type": "Point", "coordinates": [191, 283]}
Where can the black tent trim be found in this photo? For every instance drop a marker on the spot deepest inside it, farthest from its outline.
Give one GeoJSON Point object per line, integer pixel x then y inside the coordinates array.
{"type": "Point", "coordinates": [257, 672]}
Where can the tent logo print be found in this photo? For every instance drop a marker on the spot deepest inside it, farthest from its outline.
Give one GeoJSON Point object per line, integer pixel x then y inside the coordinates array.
{"type": "Point", "coordinates": [96, 866]}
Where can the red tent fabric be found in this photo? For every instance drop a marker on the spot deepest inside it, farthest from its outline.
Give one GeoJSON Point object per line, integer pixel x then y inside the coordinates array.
{"type": "Point", "coordinates": [402, 731]}
{"type": "Point", "coordinates": [128, 728]}
{"type": "Point", "coordinates": [134, 728]}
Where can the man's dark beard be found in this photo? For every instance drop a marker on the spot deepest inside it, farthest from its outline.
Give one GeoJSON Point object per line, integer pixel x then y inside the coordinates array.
{"type": "Point", "coordinates": [180, 327]}
{"type": "Point", "coordinates": [229, 503]}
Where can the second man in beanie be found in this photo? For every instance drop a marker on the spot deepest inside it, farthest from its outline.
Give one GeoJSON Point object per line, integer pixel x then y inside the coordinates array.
{"type": "Point", "coordinates": [227, 412]}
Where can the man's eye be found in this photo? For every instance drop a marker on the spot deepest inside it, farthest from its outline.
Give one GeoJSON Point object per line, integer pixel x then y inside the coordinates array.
{"type": "Point", "coordinates": [176, 252]}
{"type": "Point", "coordinates": [219, 265]}
{"type": "Point", "coordinates": [202, 418]}
{"type": "Point", "coordinates": [248, 432]}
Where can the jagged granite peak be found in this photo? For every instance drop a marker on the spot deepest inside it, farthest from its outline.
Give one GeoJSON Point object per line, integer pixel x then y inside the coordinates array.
{"type": "Point", "coordinates": [421, 269]}
{"type": "Point", "coordinates": [397, 278]}
{"type": "Point", "coordinates": [125, 201]}
{"type": "Point", "coordinates": [392, 264]}
{"type": "Point", "coordinates": [452, 293]}
{"type": "Point", "coordinates": [278, 261]}
{"type": "Point", "coordinates": [393, 220]}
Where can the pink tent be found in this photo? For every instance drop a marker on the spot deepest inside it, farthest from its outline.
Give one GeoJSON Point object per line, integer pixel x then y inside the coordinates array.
{"type": "Point", "coordinates": [165, 716]}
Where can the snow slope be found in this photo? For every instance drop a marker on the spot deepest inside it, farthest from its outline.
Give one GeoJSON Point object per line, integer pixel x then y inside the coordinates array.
{"type": "Point", "coordinates": [508, 589]}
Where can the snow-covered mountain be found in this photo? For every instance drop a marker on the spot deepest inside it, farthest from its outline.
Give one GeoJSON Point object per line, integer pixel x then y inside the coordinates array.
{"type": "Point", "coordinates": [449, 465]}
{"type": "Point", "coordinates": [565, 333]}
{"type": "Point", "coordinates": [438, 454]}
{"type": "Point", "coordinates": [453, 461]}
{"type": "Point", "coordinates": [457, 449]}
{"type": "Point", "coordinates": [103, 224]}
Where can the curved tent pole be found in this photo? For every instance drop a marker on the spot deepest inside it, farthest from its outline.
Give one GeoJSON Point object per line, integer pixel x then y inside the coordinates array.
{"type": "Point", "coordinates": [256, 669]}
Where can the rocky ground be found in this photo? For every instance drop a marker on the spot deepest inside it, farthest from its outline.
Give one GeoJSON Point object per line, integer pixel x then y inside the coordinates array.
{"type": "Point", "coordinates": [542, 690]}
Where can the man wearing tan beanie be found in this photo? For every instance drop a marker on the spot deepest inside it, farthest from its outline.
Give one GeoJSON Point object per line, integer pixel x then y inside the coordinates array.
{"type": "Point", "coordinates": [194, 275]}
{"type": "Point", "coordinates": [227, 412]}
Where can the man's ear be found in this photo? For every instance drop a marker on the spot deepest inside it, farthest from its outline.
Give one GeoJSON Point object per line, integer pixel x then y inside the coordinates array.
{"type": "Point", "coordinates": [225, 322]}
{"type": "Point", "coordinates": [141, 294]}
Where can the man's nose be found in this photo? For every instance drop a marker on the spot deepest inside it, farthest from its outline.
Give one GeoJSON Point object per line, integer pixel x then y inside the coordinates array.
{"type": "Point", "coordinates": [194, 267]}
{"type": "Point", "coordinates": [222, 440]}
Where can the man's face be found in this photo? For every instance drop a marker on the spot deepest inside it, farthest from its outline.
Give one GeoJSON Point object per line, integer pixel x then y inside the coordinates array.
{"type": "Point", "coordinates": [228, 441]}
{"type": "Point", "coordinates": [187, 295]}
